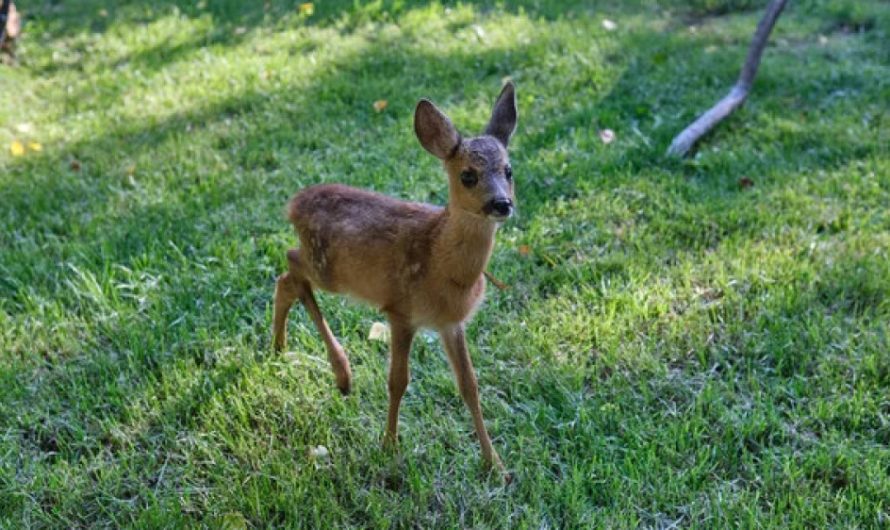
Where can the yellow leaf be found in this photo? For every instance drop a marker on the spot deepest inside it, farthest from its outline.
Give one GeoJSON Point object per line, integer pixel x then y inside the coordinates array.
{"type": "Point", "coordinates": [380, 105]}
{"type": "Point", "coordinates": [16, 148]}
{"type": "Point", "coordinates": [524, 250]}
{"type": "Point", "coordinates": [34, 146]}
{"type": "Point", "coordinates": [307, 9]}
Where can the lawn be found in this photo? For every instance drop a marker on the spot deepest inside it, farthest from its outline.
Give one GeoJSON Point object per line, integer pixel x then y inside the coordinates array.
{"type": "Point", "coordinates": [693, 343]}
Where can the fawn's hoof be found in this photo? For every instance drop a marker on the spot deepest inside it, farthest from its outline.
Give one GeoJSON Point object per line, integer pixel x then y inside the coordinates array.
{"type": "Point", "coordinates": [342, 372]}
{"type": "Point", "coordinates": [496, 468]}
{"type": "Point", "coordinates": [344, 381]}
{"type": "Point", "coordinates": [501, 474]}
{"type": "Point", "coordinates": [390, 441]}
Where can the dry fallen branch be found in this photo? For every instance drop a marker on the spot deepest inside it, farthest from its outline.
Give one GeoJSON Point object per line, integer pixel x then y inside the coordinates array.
{"type": "Point", "coordinates": [739, 92]}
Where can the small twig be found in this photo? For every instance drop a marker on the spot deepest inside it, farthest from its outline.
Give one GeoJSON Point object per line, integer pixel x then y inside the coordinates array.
{"type": "Point", "coordinates": [497, 283]}
{"type": "Point", "coordinates": [739, 92]}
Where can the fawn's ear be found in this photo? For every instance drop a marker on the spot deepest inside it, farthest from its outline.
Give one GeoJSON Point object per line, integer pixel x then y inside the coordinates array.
{"type": "Point", "coordinates": [503, 116]}
{"type": "Point", "coordinates": [434, 130]}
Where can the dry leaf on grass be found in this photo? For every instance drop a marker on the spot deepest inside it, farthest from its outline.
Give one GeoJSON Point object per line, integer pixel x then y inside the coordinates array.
{"type": "Point", "coordinates": [16, 148]}
{"type": "Point", "coordinates": [307, 9]}
{"type": "Point", "coordinates": [379, 331]}
{"type": "Point", "coordinates": [380, 105]}
{"type": "Point", "coordinates": [319, 452]}
{"type": "Point", "coordinates": [320, 456]}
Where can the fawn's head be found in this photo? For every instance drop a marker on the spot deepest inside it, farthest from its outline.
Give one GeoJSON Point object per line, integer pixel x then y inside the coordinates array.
{"type": "Point", "coordinates": [480, 178]}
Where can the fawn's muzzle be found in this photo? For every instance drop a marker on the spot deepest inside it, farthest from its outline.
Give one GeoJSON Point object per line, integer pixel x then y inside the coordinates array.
{"type": "Point", "coordinates": [499, 207]}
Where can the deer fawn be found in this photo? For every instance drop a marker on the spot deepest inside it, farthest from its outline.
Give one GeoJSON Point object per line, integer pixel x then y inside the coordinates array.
{"type": "Point", "coordinates": [422, 265]}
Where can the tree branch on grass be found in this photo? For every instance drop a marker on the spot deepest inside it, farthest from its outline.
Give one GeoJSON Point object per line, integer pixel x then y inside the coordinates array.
{"type": "Point", "coordinates": [684, 141]}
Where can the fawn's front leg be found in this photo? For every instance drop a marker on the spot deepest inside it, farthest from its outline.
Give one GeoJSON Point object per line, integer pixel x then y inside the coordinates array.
{"type": "Point", "coordinates": [401, 336]}
{"type": "Point", "coordinates": [456, 347]}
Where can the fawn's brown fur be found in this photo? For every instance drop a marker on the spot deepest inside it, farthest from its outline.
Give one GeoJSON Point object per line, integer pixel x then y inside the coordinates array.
{"type": "Point", "coordinates": [422, 265]}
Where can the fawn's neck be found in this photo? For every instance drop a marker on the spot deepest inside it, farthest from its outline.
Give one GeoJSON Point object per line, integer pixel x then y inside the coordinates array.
{"type": "Point", "coordinates": [464, 245]}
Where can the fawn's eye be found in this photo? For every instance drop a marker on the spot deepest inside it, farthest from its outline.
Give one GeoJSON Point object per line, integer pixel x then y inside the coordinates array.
{"type": "Point", "coordinates": [469, 178]}
{"type": "Point", "coordinates": [508, 172]}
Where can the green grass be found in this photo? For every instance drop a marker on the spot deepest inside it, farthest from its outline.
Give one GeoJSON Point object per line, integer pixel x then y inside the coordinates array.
{"type": "Point", "coordinates": [674, 347]}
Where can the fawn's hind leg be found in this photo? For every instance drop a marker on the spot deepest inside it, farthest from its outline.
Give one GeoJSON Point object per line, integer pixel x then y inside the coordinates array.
{"type": "Point", "coordinates": [293, 285]}
{"type": "Point", "coordinates": [286, 293]}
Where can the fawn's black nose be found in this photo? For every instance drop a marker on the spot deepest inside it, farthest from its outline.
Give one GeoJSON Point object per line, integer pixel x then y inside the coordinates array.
{"type": "Point", "coordinates": [500, 207]}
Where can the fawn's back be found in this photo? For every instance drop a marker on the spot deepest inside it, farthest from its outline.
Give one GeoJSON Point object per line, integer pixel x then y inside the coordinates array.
{"type": "Point", "coordinates": [402, 257]}
{"type": "Point", "coordinates": [364, 244]}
